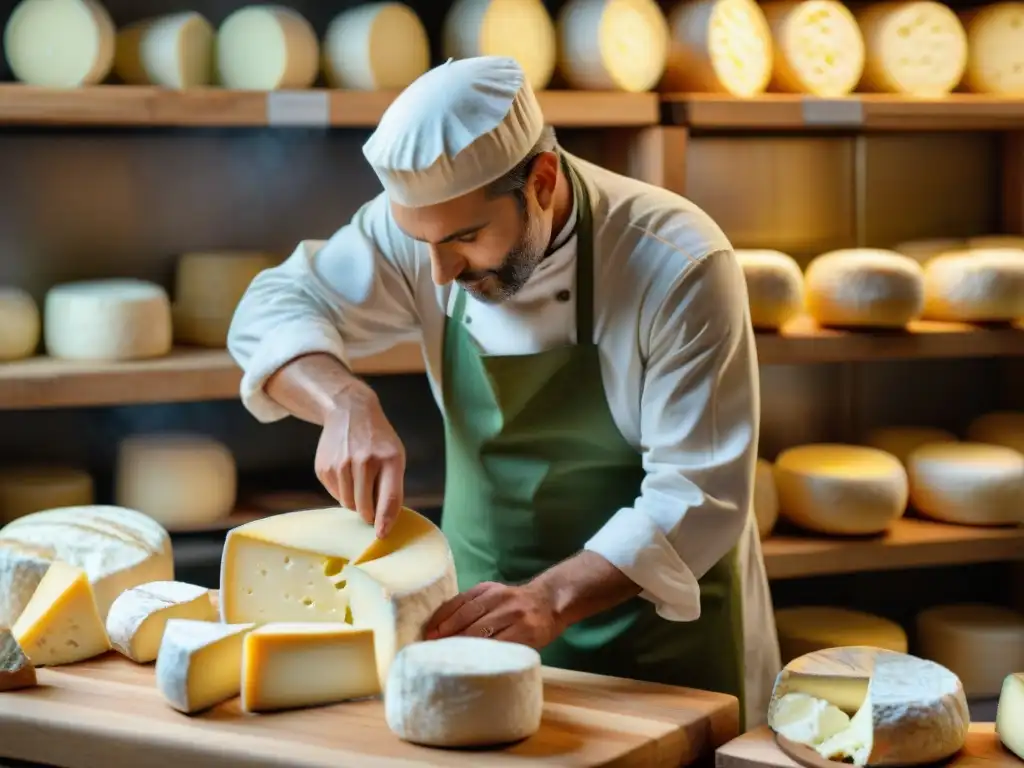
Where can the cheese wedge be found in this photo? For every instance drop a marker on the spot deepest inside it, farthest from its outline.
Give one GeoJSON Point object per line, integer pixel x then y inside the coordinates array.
{"type": "Point", "coordinates": [173, 51]}
{"type": "Point", "coordinates": [1004, 428]}
{"type": "Point", "coordinates": [21, 323]}
{"type": "Point", "coordinates": [200, 663]}
{"type": "Point", "coordinates": [26, 490]}
{"type": "Point", "coordinates": [16, 671]}
{"type": "Point", "coordinates": [267, 47]}
{"type": "Point", "coordinates": [864, 287]}
{"type": "Point", "coordinates": [1010, 714]}
{"type": "Point", "coordinates": [807, 629]}
{"type": "Point", "coordinates": [775, 287]}
{"type": "Point", "coordinates": [995, 40]}
{"type": "Point", "coordinates": [975, 286]}
{"type": "Point", "coordinates": [903, 441]}
{"type": "Point", "coordinates": [138, 617]}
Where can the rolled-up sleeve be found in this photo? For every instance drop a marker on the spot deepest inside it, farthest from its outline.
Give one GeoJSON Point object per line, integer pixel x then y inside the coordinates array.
{"type": "Point", "coordinates": [699, 415]}
{"type": "Point", "coordinates": [349, 297]}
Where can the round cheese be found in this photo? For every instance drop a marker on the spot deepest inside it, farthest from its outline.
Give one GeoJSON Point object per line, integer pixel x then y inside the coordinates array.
{"type": "Point", "coordinates": [775, 287]}
{"type": "Point", "coordinates": [719, 46]}
{"type": "Point", "coordinates": [923, 251]}
{"type": "Point", "coordinates": [520, 29]}
{"type": "Point", "coordinates": [995, 45]}
{"type": "Point", "coordinates": [982, 644]}
{"type": "Point", "coordinates": [967, 483]}
{"type": "Point", "coordinates": [107, 320]}
{"type": "Point", "coordinates": [267, 47]}
{"type": "Point", "coordinates": [1000, 428]}
{"type": "Point", "coordinates": [178, 480]}
{"type": "Point", "coordinates": [174, 51]}
{"type": "Point", "coordinates": [818, 47]}
{"type": "Point", "coordinates": [20, 324]}
{"type": "Point", "coordinates": [464, 692]}
{"type": "Point", "coordinates": [612, 45]}
{"type": "Point", "coordinates": [766, 498]}
{"type": "Point", "coordinates": [815, 628]}
{"type": "Point", "coordinates": [975, 286]}
{"type": "Point", "coordinates": [987, 242]}
{"type": "Point", "coordinates": [60, 43]}
{"type": "Point", "coordinates": [25, 490]}
{"type": "Point", "coordinates": [864, 287]}
{"type": "Point", "coordinates": [902, 441]}
{"type": "Point", "coordinates": [840, 489]}
{"type": "Point", "coordinates": [379, 46]}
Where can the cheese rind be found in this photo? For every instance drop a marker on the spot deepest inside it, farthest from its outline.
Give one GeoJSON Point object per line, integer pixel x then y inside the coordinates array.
{"type": "Point", "coordinates": [173, 51]}
{"type": "Point", "coordinates": [200, 663]}
{"type": "Point", "coordinates": [864, 287]}
{"type": "Point", "coordinates": [808, 629]}
{"type": "Point", "coordinates": [379, 46]}
{"type": "Point", "coordinates": [20, 324]}
{"type": "Point", "coordinates": [1004, 428]}
{"type": "Point", "coordinates": [775, 287]}
{"type": "Point", "coordinates": [16, 671]}
{"type": "Point", "coordinates": [995, 42]}
{"type": "Point", "coordinates": [265, 48]}
{"type": "Point", "coordinates": [26, 490]}
{"type": "Point", "coordinates": [903, 441]}
{"type": "Point", "coordinates": [1010, 714]}
{"type": "Point", "coordinates": [766, 498]}
{"type": "Point", "coordinates": [975, 286]}
{"type": "Point", "coordinates": [137, 618]}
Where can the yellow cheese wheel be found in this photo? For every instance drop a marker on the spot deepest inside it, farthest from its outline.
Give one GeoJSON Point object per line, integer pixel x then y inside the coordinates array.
{"type": "Point", "coordinates": [923, 251]}
{"type": "Point", "coordinates": [775, 287]}
{"type": "Point", "coordinates": [814, 628]}
{"type": "Point", "coordinates": [21, 324]}
{"type": "Point", "coordinates": [975, 286]}
{"type": "Point", "coordinates": [1000, 428]}
{"type": "Point", "coordinates": [995, 45]}
{"type": "Point", "coordinates": [378, 46]}
{"type": "Point", "coordinates": [902, 441]}
{"type": "Point", "coordinates": [29, 489]}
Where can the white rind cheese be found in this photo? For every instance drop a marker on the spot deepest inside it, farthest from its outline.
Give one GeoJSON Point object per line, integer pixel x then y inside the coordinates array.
{"type": "Point", "coordinates": [808, 629]}
{"type": "Point", "coordinates": [173, 51]}
{"type": "Point", "coordinates": [21, 325]}
{"type": "Point", "coordinates": [922, 251]}
{"type": "Point", "coordinates": [1004, 428]}
{"type": "Point", "coordinates": [766, 498]}
{"type": "Point", "coordinates": [775, 287]}
{"type": "Point", "coordinates": [995, 45]}
{"type": "Point", "coordinates": [464, 692]}
{"type": "Point", "coordinates": [1010, 714]}
{"type": "Point", "coordinates": [265, 48]}
{"type": "Point", "coordinates": [136, 621]}
{"type": "Point", "coordinates": [21, 569]}
{"type": "Point", "coordinates": [26, 490]}
{"type": "Point", "coordinates": [200, 663]}
{"type": "Point", "coordinates": [16, 671]}
{"type": "Point", "coordinates": [864, 287]}
{"type": "Point", "coordinates": [903, 441]}
{"type": "Point", "coordinates": [975, 286]}
{"type": "Point", "coordinates": [380, 46]}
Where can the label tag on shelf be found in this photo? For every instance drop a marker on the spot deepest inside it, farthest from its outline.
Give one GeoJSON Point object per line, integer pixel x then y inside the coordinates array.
{"type": "Point", "coordinates": [299, 108]}
{"type": "Point", "coordinates": [837, 113]}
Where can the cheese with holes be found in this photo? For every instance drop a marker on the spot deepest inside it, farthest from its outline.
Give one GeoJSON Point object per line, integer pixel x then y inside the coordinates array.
{"type": "Point", "coordinates": [864, 287]}
{"type": "Point", "coordinates": [903, 441]}
{"type": "Point", "coordinates": [267, 47]}
{"type": "Point", "coordinates": [136, 621]}
{"type": "Point", "coordinates": [61, 623]}
{"type": "Point", "coordinates": [520, 29]}
{"type": "Point", "coordinates": [199, 664]}
{"type": "Point", "coordinates": [286, 666]}
{"type": "Point", "coordinates": [20, 324]}
{"type": "Point", "coordinates": [818, 47]}
{"type": "Point", "coordinates": [995, 46]}
{"type": "Point", "coordinates": [905, 710]}
{"type": "Point", "coordinates": [180, 480]}
{"type": "Point", "coordinates": [1010, 714]}
{"type": "Point", "coordinates": [923, 251]}
{"type": "Point", "coordinates": [107, 320]}
{"type": "Point", "coordinates": [840, 489]}
{"type": "Point", "coordinates": [766, 498]}
{"type": "Point", "coordinates": [25, 490]}
{"type": "Point", "coordinates": [378, 46]}
{"type": "Point", "coordinates": [1004, 428]}
{"type": "Point", "coordinates": [612, 45]}
{"type": "Point", "coordinates": [807, 629]}
{"type": "Point", "coordinates": [914, 48]}
{"type": "Point", "coordinates": [988, 242]}
{"type": "Point", "coordinates": [981, 644]}
{"type": "Point", "coordinates": [60, 43]}
{"type": "Point", "coordinates": [967, 483]}
{"type": "Point", "coordinates": [16, 671]}
{"type": "Point", "coordinates": [975, 286]}
{"type": "Point", "coordinates": [719, 46]}
{"type": "Point", "coordinates": [775, 287]}
{"type": "Point", "coordinates": [173, 51]}
{"type": "Point", "coordinates": [464, 692]}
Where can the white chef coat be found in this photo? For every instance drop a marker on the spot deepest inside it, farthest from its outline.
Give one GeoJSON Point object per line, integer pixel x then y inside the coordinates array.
{"type": "Point", "coordinates": [679, 367]}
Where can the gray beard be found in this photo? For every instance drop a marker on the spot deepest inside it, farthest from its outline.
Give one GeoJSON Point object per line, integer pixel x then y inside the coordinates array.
{"type": "Point", "coordinates": [515, 269]}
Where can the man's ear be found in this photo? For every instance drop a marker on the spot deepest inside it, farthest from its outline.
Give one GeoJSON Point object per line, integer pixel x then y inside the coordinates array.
{"type": "Point", "coordinates": [544, 178]}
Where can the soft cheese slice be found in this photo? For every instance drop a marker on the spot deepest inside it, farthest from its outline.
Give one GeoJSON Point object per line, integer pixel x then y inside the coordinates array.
{"type": "Point", "coordinates": [1010, 714]}
{"type": "Point", "coordinates": [380, 46]}
{"type": "Point", "coordinates": [464, 692]}
{"type": "Point", "coordinates": [864, 287]}
{"type": "Point", "coordinates": [903, 441]}
{"type": "Point", "coordinates": [16, 671]}
{"type": "Point", "coordinates": [173, 51]}
{"type": "Point", "coordinates": [775, 287]}
{"type": "Point", "coordinates": [923, 251]}
{"type": "Point", "coordinates": [25, 490]}
{"type": "Point", "coordinates": [266, 47]}
{"type": "Point", "coordinates": [807, 629]}
{"type": "Point", "coordinates": [20, 324]}
{"type": "Point", "coordinates": [286, 666]}
{"type": "Point", "coordinates": [61, 623]}
{"type": "Point", "coordinates": [995, 45]}
{"type": "Point", "coordinates": [200, 663]}
{"type": "Point", "coordinates": [137, 618]}
{"type": "Point", "coordinates": [975, 286]}
{"type": "Point", "coordinates": [999, 428]}
{"type": "Point", "coordinates": [766, 498]}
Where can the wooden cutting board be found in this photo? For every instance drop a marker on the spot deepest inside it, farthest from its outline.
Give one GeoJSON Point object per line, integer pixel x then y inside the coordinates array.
{"type": "Point", "coordinates": [107, 712]}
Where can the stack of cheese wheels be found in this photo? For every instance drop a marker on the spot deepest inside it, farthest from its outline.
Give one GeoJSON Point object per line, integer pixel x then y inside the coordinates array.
{"type": "Point", "coordinates": [864, 287]}
{"type": "Point", "coordinates": [775, 287]}
{"type": "Point", "coordinates": [1010, 714]}
{"type": "Point", "coordinates": [818, 47]}
{"type": "Point", "coordinates": [995, 44]}
{"type": "Point", "coordinates": [719, 46]}
{"type": "Point", "coordinates": [25, 490]}
{"type": "Point", "coordinates": [922, 251]}
{"type": "Point", "coordinates": [975, 286]}
{"type": "Point", "coordinates": [520, 29]}
{"type": "Point", "coordinates": [987, 242]}
{"type": "Point", "coordinates": [60, 43]}
{"type": "Point", "coordinates": [840, 489]}
{"type": "Point", "coordinates": [999, 428]}
{"type": "Point", "coordinates": [766, 498]}
{"type": "Point", "coordinates": [903, 441]}
{"type": "Point", "coordinates": [265, 48]}
{"type": "Point", "coordinates": [612, 45]}
{"type": "Point", "coordinates": [379, 46]}
{"type": "Point", "coordinates": [814, 628]}
{"type": "Point", "coordinates": [173, 51]}
{"type": "Point", "coordinates": [913, 47]}
{"type": "Point", "coordinates": [20, 324]}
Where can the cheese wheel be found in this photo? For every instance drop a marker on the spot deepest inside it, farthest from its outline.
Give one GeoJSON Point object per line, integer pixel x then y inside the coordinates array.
{"type": "Point", "coordinates": [1010, 714]}
{"type": "Point", "coordinates": [987, 242]}
{"type": "Point", "coordinates": [818, 47]}
{"type": "Point", "coordinates": [107, 320]}
{"type": "Point", "coordinates": [775, 287]}
{"type": "Point", "coordinates": [267, 47]}
{"type": "Point", "coordinates": [967, 483]}
{"type": "Point", "coordinates": [864, 287]}
{"type": "Point", "coordinates": [814, 628]}
{"type": "Point", "coordinates": [520, 29]}
{"type": "Point", "coordinates": [903, 441]}
{"type": "Point", "coordinates": [174, 51]}
{"type": "Point", "coordinates": [60, 43]}
{"type": "Point", "coordinates": [981, 644]}
{"type": "Point", "coordinates": [922, 251]}
{"type": "Point", "coordinates": [916, 48]}
{"type": "Point", "coordinates": [1004, 428]}
{"type": "Point", "coordinates": [766, 498]}
{"type": "Point", "coordinates": [20, 324]}
{"type": "Point", "coordinates": [179, 480]}
{"type": "Point", "coordinates": [840, 489]}
{"type": "Point", "coordinates": [995, 45]}
{"type": "Point", "coordinates": [612, 45]}
{"type": "Point", "coordinates": [375, 47]}
{"type": "Point", "coordinates": [25, 490]}
{"type": "Point", "coordinates": [719, 46]}
{"type": "Point", "coordinates": [975, 286]}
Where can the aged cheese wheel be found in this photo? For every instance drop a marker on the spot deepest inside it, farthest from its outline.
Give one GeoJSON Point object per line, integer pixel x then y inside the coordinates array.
{"type": "Point", "coordinates": [995, 45]}
{"type": "Point", "coordinates": [1000, 428]}
{"type": "Point", "coordinates": [814, 628]}
{"type": "Point", "coordinates": [775, 287]}
{"type": "Point", "coordinates": [174, 51]}
{"type": "Point", "coordinates": [378, 46]}
{"type": "Point", "coordinates": [903, 441]}
{"type": "Point", "coordinates": [988, 242]}
{"type": "Point", "coordinates": [864, 287]}
{"type": "Point", "coordinates": [20, 324]}
{"type": "Point", "coordinates": [922, 251]}
{"type": "Point", "coordinates": [975, 286]}
{"type": "Point", "coordinates": [267, 47]}
{"type": "Point", "coordinates": [25, 490]}
{"type": "Point", "coordinates": [766, 498]}
{"type": "Point", "coordinates": [1010, 714]}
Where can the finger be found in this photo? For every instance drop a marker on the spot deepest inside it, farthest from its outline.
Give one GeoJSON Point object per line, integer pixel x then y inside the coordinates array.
{"type": "Point", "coordinates": [448, 609]}
{"type": "Point", "coordinates": [364, 479]}
{"type": "Point", "coordinates": [472, 611]}
{"type": "Point", "coordinates": [494, 624]}
{"type": "Point", "coordinates": [390, 483]}
{"type": "Point", "coordinates": [329, 481]}
{"type": "Point", "coordinates": [346, 495]}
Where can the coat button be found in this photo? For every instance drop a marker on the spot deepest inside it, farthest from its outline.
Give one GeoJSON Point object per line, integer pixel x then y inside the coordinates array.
{"type": "Point", "coordinates": [563, 295]}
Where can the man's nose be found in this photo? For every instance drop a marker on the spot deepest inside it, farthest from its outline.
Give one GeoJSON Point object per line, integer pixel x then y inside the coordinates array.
{"type": "Point", "coordinates": [444, 267]}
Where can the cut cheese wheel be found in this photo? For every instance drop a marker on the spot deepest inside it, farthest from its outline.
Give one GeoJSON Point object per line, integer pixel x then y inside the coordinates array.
{"type": "Point", "coordinates": [60, 43]}
{"type": "Point", "coordinates": [1010, 714]}
{"type": "Point", "coordinates": [465, 692]}
{"type": "Point", "coordinates": [988, 242]}
{"type": "Point", "coordinates": [138, 617]}
{"type": "Point", "coordinates": [520, 29]}
{"type": "Point", "coordinates": [612, 45]}
{"type": "Point", "coordinates": [814, 628]}
{"type": "Point", "coordinates": [719, 46]}
{"type": "Point", "coordinates": [995, 45]}
{"type": "Point", "coordinates": [903, 441]}
{"type": "Point", "coordinates": [766, 498]}
{"type": "Point", "coordinates": [267, 47]}
{"type": "Point", "coordinates": [840, 489]}
{"type": "Point", "coordinates": [379, 46]}
{"type": "Point", "coordinates": [967, 483]}
{"type": "Point", "coordinates": [107, 320]}
{"type": "Point", "coordinates": [975, 286]}
{"type": "Point", "coordinates": [1004, 428]}
{"type": "Point", "coordinates": [923, 251]}
{"type": "Point", "coordinates": [16, 671]}
{"type": "Point", "coordinates": [864, 287]}
{"type": "Point", "coordinates": [775, 287]}
{"type": "Point", "coordinates": [20, 324]}
{"type": "Point", "coordinates": [906, 710]}
{"type": "Point", "coordinates": [199, 664]}
{"type": "Point", "coordinates": [25, 490]}
{"type": "Point", "coordinates": [174, 51]}
{"type": "Point", "coordinates": [286, 666]}
{"type": "Point", "coordinates": [179, 480]}
{"type": "Point", "coordinates": [818, 47]}
{"type": "Point", "coordinates": [914, 48]}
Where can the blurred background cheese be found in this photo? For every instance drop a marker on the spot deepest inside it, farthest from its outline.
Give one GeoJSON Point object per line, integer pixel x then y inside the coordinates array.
{"type": "Point", "coordinates": [766, 498]}
{"type": "Point", "coordinates": [174, 51]}
{"type": "Point", "coordinates": [999, 428]}
{"type": "Point", "coordinates": [995, 49]}
{"type": "Point", "coordinates": [975, 286]}
{"type": "Point", "coordinates": [923, 250]}
{"type": "Point", "coordinates": [267, 47]}
{"type": "Point", "coordinates": [985, 242]}
{"type": "Point", "coordinates": [902, 441]}
{"type": "Point", "coordinates": [20, 324]}
{"type": "Point", "coordinates": [775, 287]}
{"type": "Point", "coordinates": [28, 489]}
{"type": "Point", "coordinates": [813, 628]}
{"type": "Point", "coordinates": [1010, 714]}
{"type": "Point", "coordinates": [375, 47]}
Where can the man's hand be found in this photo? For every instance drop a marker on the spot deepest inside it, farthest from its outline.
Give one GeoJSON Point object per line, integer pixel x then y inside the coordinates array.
{"type": "Point", "coordinates": [523, 615]}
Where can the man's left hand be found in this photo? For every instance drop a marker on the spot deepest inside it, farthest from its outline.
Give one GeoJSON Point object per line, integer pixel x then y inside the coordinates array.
{"type": "Point", "coordinates": [523, 614]}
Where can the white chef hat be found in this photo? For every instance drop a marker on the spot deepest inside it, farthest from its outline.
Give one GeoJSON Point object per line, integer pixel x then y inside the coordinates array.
{"type": "Point", "coordinates": [456, 128]}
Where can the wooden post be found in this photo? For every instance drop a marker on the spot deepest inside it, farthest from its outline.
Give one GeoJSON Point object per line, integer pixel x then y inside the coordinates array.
{"type": "Point", "coordinates": [655, 154]}
{"type": "Point", "coordinates": [1013, 182]}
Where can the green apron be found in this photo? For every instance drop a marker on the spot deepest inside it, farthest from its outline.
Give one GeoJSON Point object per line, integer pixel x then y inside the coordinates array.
{"type": "Point", "coordinates": [536, 465]}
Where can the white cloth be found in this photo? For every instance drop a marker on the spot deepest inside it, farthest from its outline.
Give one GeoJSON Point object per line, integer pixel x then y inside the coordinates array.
{"type": "Point", "coordinates": [678, 365]}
